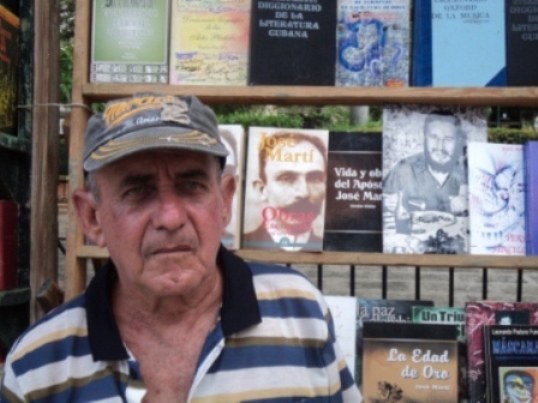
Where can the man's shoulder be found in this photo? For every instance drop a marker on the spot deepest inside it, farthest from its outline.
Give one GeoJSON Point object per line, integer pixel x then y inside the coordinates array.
{"type": "Point", "coordinates": [67, 320]}
{"type": "Point", "coordinates": [275, 277]}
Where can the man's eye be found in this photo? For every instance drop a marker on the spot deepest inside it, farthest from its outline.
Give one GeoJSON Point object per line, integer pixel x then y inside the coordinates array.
{"type": "Point", "coordinates": [287, 178]}
{"type": "Point", "coordinates": [137, 192]}
{"type": "Point", "coordinates": [190, 187]}
{"type": "Point", "coordinates": [316, 177]}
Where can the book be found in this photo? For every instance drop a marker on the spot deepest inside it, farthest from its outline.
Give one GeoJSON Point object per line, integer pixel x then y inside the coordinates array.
{"type": "Point", "coordinates": [344, 311]}
{"type": "Point", "coordinates": [459, 45]}
{"type": "Point", "coordinates": [531, 196]}
{"type": "Point", "coordinates": [233, 137]}
{"type": "Point", "coordinates": [292, 42]}
{"type": "Point", "coordinates": [285, 189]}
{"type": "Point", "coordinates": [129, 41]}
{"type": "Point", "coordinates": [445, 315]}
{"type": "Point", "coordinates": [496, 198]}
{"type": "Point", "coordinates": [354, 193]}
{"type": "Point", "coordinates": [380, 310]}
{"type": "Point", "coordinates": [425, 185]}
{"type": "Point", "coordinates": [209, 42]}
{"type": "Point", "coordinates": [521, 42]}
{"type": "Point", "coordinates": [479, 314]}
{"type": "Point", "coordinates": [9, 68]}
{"type": "Point", "coordinates": [373, 43]}
{"type": "Point", "coordinates": [511, 361]}
{"type": "Point", "coordinates": [410, 362]}
{"type": "Point", "coordinates": [8, 244]}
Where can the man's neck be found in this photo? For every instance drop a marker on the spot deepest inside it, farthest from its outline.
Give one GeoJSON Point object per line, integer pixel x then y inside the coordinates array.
{"type": "Point", "coordinates": [440, 177]}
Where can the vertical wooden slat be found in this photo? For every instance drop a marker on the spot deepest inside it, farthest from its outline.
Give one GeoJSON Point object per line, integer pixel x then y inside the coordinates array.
{"type": "Point", "coordinates": [75, 278]}
{"type": "Point", "coordinates": [43, 218]}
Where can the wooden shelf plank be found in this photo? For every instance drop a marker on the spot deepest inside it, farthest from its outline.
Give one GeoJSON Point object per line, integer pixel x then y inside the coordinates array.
{"type": "Point", "coordinates": [295, 95]}
{"type": "Point", "coordinates": [367, 259]}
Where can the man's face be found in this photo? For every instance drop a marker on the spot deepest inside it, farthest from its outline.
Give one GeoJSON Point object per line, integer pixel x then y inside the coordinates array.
{"type": "Point", "coordinates": [441, 142]}
{"type": "Point", "coordinates": [161, 215]}
{"type": "Point", "coordinates": [296, 190]}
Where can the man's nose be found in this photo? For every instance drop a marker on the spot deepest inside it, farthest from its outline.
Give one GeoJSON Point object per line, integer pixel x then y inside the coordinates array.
{"type": "Point", "coordinates": [300, 187]}
{"type": "Point", "coordinates": [170, 213]}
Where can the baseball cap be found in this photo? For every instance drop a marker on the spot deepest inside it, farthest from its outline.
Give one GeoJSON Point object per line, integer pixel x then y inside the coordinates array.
{"type": "Point", "coordinates": [148, 121]}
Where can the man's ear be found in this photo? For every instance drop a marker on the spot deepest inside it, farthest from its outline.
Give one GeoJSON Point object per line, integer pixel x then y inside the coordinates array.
{"type": "Point", "coordinates": [86, 207]}
{"type": "Point", "coordinates": [228, 190]}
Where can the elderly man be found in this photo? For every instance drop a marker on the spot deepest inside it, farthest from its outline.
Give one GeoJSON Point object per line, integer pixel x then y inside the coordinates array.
{"type": "Point", "coordinates": [173, 316]}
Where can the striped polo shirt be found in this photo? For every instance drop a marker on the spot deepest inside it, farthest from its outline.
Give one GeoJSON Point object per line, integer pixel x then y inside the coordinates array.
{"type": "Point", "coordinates": [274, 342]}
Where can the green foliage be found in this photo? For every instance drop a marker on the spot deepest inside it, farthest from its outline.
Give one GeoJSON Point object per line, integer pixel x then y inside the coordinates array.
{"type": "Point", "coordinates": [510, 135]}
{"type": "Point", "coordinates": [66, 70]}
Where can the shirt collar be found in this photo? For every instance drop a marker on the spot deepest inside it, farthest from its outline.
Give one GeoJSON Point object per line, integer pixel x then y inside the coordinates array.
{"type": "Point", "coordinates": [239, 306]}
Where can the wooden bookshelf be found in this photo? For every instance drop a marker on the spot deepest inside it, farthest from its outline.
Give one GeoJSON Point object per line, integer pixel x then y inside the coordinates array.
{"type": "Point", "coordinates": [85, 93]}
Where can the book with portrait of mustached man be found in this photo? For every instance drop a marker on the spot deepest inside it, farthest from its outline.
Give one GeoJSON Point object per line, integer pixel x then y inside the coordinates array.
{"type": "Point", "coordinates": [482, 313]}
{"type": "Point", "coordinates": [292, 42]}
{"type": "Point", "coordinates": [497, 186]}
{"type": "Point", "coordinates": [285, 186]}
{"type": "Point", "coordinates": [511, 361]}
{"type": "Point", "coordinates": [354, 193]}
{"type": "Point", "coordinates": [425, 186]}
{"type": "Point", "coordinates": [380, 310]}
{"type": "Point", "coordinates": [233, 137]}
{"type": "Point", "coordinates": [410, 362]}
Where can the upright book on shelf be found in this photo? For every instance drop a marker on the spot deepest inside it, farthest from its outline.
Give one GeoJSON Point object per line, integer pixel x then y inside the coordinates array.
{"type": "Point", "coordinates": [482, 313]}
{"type": "Point", "coordinates": [209, 42]}
{"type": "Point", "coordinates": [129, 41]}
{"type": "Point", "coordinates": [373, 43]}
{"type": "Point", "coordinates": [233, 137]}
{"type": "Point", "coordinates": [531, 196]}
{"type": "Point", "coordinates": [410, 362]}
{"type": "Point", "coordinates": [521, 42]}
{"type": "Point", "coordinates": [447, 315]}
{"type": "Point", "coordinates": [459, 45]}
{"type": "Point", "coordinates": [292, 42]}
{"type": "Point", "coordinates": [496, 198]}
{"type": "Point", "coordinates": [425, 197]}
{"type": "Point", "coordinates": [354, 191]}
{"type": "Point", "coordinates": [285, 189]}
{"type": "Point", "coordinates": [380, 310]}
{"type": "Point", "coordinates": [9, 68]}
{"type": "Point", "coordinates": [344, 311]}
{"type": "Point", "coordinates": [511, 361]}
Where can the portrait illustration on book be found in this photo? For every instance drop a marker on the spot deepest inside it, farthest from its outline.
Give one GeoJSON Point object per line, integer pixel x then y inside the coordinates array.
{"type": "Point", "coordinates": [425, 189]}
{"type": "Point", "coordinates": [285, 189]}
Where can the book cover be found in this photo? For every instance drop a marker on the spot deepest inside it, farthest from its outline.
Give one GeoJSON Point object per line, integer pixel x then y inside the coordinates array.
{"type": "Point", "coordinates": [410, 362]}
{"type": "Point", "coordinates": [459, 45]}
{"type": "Point", "coordinates": [344, 311]}
{"type": "Point", "coordinates": [511, 354]}
{"type": "Point", "coordinates": [293, 42]}
{"type": "Point", "coordinates": [129, 41]}
{"type": "Point", "coordinates": [445, 315]}
{"type": "Point", "coordinates": [521, 43]}
{"type": "Point", "coordinates": [531, 196]}
{"type": "Point", "coordinates": [380, 310]}
{"type": "Point", "coordinates": [479, 314]}
{"type": "Point", "coordinates": [9, 56]}
{"type": "Point", "coordinates": [354, 193]}
{"type": "Point", "coordinates": [8, 244]}
{"type": "Point", "coordinates": [425, 186]}
{"type": "Point", "coordinates": [373, 43]}
{"type": "Point", "coordinates": [496, 199]}
{"type": "Point", "coordinates": [233, 137]}
{"type": "Point", "coordinates": [285, 189]}
{"type": "Point", "coordinates": [209, 42]}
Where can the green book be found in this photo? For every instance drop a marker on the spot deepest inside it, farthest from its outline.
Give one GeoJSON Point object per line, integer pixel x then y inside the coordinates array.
{"type": "Point", "coordinates": [130, 41]}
